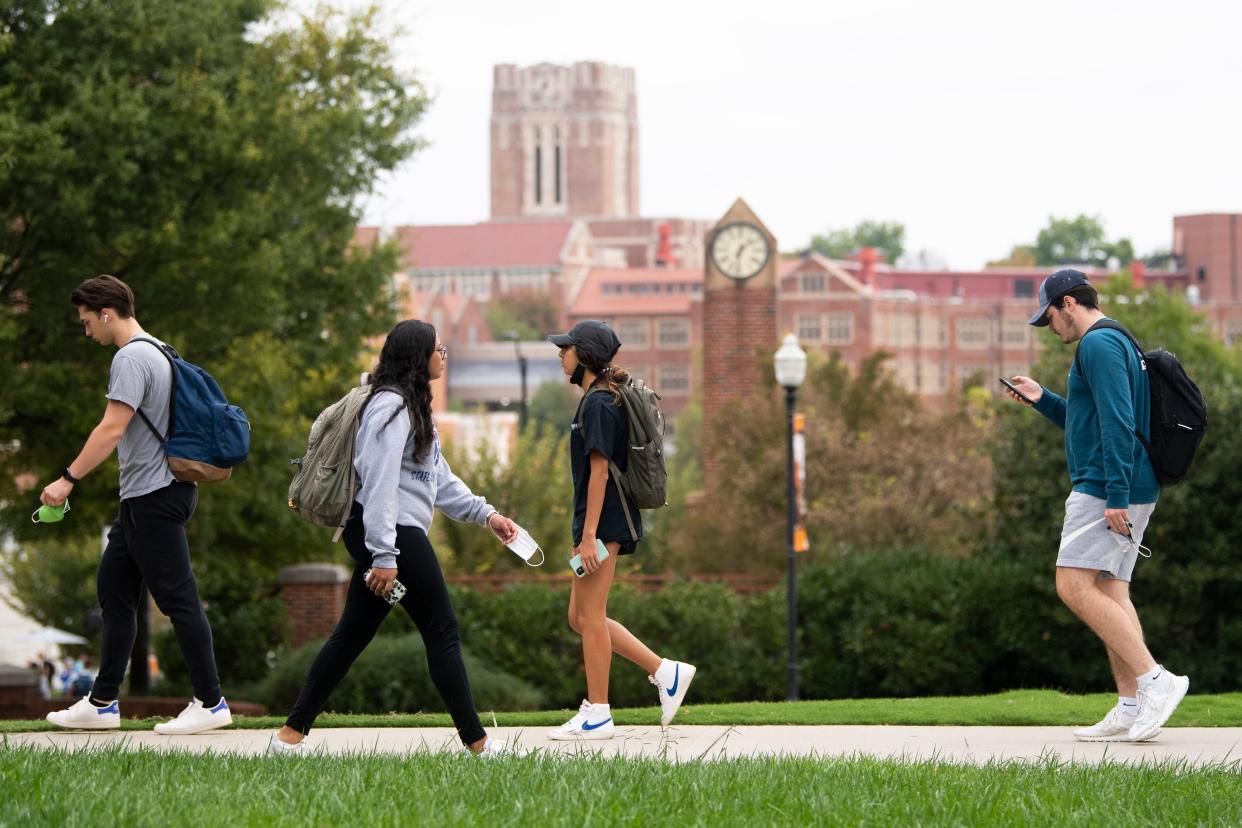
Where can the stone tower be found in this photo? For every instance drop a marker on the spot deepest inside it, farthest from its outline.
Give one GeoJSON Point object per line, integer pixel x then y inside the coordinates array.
{"type": "Point", "coordinates": [564, 141]}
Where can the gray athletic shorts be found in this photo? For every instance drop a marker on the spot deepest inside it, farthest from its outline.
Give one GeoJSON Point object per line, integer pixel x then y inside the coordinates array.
{"type": "Point", "coordinates": [1088, 543]}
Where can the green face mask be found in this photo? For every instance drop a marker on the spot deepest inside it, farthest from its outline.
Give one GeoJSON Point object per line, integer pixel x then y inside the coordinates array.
{"type": "Point", "coordinates": [50, 514]}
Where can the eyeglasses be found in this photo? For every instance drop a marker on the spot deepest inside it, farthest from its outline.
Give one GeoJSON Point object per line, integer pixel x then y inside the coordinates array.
{"type": "Point", "coordinates": [442, 351]}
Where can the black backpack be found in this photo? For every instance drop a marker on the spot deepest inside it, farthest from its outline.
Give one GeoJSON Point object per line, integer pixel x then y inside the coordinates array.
{"type": "Point", "coordinates": [1178, 413]}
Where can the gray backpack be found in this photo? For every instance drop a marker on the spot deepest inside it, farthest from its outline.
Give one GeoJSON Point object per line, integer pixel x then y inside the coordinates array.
{"type": "Point", "coordinates": [325, 484]}
{"type": "Point", "coordinates": [645, 481]}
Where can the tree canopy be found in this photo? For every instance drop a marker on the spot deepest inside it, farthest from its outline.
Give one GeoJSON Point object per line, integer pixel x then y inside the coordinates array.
{"type": "Point", "coordinates": [885, 236]}
{"type": "Point", "coordinates": [215, 162]}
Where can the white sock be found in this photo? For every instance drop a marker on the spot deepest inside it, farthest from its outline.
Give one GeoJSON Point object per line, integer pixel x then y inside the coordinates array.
{"type": "Point", "coordinates": [601, 709]}
{"type": "Point", "coordinates": [1151, 675]}
{"type": "Point", "coordinates": [1129, 705]}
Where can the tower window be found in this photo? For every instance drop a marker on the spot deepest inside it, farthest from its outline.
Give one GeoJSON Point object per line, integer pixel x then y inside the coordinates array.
{"type": "Point", "coordinates": [558, 173]}
{"type": "Point", "coordinates": [538, 175]}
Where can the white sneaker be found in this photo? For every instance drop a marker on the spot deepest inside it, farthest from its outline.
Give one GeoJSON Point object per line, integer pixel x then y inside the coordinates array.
{"type": "Point", "coordinates": [672, 680]}
{"type": "Point", "coordinates": [197, 719]}
{"type": "Point", "coordinates": [493, 748]}
{"type": "Point", "coordinates": [1114, 727]}
{"type": "Point", "coordinates": [592, 721]}
{"type": "Point", "coordinates": [85, 716]}
{"type": "Point", "coordinates": [275, 747]}
{"type": "Point", "coordinates": [1156, 704]}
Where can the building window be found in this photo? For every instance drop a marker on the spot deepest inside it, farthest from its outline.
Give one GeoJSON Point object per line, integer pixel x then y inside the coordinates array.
{"type": "Point", "coordinates": [1023, 288]}
{"type": "Point", "coordinates": [1014, 333]}
{"type": "Point", "coordinates": [634, 333]}
{"type": "Point", "coordinates": [972, 332]}
{"type": "Point", "coordinates": [840, 328]}
{"type": "Point", "coordinates": [810, 327]}
{"type": "Point", "coordinates": [538, 175]}
{"type": "Point", "coordinates": [674, 333]}
{"type": "Point", "coordinates": [558, 173]}
{"type": "Point", "coordinates": [814, 283]}
{"type": "Point", "coordinates": [674, 379]}
{"type": "Point", "coordinates": [971, 373]}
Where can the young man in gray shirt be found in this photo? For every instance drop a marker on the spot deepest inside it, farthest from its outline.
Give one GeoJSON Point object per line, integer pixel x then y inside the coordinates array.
{"type": "Point", "coordinates": [148, 541]}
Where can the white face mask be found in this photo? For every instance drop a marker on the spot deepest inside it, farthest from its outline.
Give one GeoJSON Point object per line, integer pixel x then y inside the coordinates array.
{"type": "Point", "coordinates": [524, 547]}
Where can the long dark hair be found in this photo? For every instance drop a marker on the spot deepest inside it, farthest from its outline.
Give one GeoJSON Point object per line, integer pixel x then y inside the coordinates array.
{"type": "Point", "coordinates": [403, 368]}
{"type": "Point", "coordinates": [607, 374]}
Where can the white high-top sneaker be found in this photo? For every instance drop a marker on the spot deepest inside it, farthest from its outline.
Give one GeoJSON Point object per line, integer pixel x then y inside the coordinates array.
{"type": "Point", "coordinates": [672, 680]}
{"type": "Point", "coordinates": [85, 716]}
{"type": "Point", "coordinates": [1156, 704]}
{"type": "Point", "coordinates": [197, 719]}
{"type": "Point", "coordinates": [1114, 727]}
{"type": "Point", "coordinates": [592, 721]}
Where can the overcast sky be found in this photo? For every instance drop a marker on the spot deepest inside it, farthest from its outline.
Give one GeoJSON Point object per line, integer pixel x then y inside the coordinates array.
{"type": "Point", "coordinates": [970, 122]}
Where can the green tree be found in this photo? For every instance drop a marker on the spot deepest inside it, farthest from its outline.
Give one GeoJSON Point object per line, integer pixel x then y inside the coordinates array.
{"type": "Point", "coordinates": [214, 163]}
{"type": "Point", "coordinates": [886, 236]}
{"type": "Point", "coordinates": [1080, 240]}
{"type": "Point", "coordinates": [530, 314]}
{"type": "Point", "coordinates": [533, 488]}
{"type": "Point", "coordinates": [1021, 255]}
{"type": "Point", "coordinates": [882, 471]}
{"type": "Point", "coordinates": [552, 407]}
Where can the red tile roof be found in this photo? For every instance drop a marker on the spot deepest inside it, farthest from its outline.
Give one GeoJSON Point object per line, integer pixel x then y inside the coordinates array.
{"type": "Point", "coordinates": [489, 244]}
{"type": "Point", "coordinates": [592, 301]}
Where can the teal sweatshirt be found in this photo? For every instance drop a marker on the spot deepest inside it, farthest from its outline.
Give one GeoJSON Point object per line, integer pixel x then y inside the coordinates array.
{"type": "Point", "coordinates": [1103, 408]}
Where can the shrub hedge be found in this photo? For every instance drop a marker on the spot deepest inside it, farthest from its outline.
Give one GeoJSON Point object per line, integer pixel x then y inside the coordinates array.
{"type": "Point", "coordinates": [391, 675]}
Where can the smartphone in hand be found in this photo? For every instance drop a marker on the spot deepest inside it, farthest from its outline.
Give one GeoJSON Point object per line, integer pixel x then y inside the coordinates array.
{"type": "Point", "coordinates": [575, 563]}
{"type": "Point", "coordinates": [1015, 390]}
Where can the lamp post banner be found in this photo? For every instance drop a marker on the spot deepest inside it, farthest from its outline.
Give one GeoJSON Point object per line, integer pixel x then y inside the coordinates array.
{"type": "Point", "coordinates": [802, 542]}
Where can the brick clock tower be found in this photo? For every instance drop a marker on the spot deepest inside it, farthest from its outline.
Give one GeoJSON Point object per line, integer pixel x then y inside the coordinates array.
{"type": "Point", "coordinates": [739, 312]}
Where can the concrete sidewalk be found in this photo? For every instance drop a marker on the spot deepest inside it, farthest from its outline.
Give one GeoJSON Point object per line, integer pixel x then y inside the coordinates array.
{"type": "Point", "coordinates": [977, 745]}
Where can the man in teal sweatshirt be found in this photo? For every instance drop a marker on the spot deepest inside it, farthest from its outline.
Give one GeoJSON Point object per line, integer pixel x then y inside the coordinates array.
{"type": "Point", "coordinates": [1114, 494]}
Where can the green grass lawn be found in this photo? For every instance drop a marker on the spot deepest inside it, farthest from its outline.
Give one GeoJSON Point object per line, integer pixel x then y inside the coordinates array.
{"type": "Point", "coordinates": [112, 786]}
{"type": "Point", "coordinates": [1016, 707]}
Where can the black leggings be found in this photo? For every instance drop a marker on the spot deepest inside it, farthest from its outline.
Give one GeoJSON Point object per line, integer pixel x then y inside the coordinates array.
{"type": "Point", "coordinates": [147, 543]}
{"type": "Point", "coordinates": [427, 603]}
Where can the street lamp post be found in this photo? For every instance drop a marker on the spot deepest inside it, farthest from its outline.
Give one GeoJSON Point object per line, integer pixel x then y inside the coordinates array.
{"type": "Point", "coordinates": [517, 348]}
{"type": "Point", "coordinates": [790, 372]}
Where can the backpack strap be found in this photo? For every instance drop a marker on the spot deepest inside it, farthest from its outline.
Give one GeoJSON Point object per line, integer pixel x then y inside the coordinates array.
{"type": "Point", "coordinates": [1113, 325]}
{"type": "Point", "coordinates": [172, 390]}
{"type": "Point", "coordinates": [613, 469]}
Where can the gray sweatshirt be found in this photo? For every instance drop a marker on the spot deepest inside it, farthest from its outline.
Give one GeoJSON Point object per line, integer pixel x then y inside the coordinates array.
{"type": "Point", "coordinates": [394, 490]}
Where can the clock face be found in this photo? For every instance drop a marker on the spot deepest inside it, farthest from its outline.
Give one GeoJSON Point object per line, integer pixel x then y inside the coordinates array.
{"type": "Point", "coordinates": [740, 250]}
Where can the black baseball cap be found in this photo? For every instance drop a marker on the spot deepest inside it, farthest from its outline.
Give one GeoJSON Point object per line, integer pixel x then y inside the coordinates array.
{"type": "Point", "coordinates": [592, 336]}
{"type": "Point", "coordinates": [1053, 288]}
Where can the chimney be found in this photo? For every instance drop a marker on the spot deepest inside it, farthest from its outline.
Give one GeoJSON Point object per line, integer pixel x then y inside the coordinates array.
{"type": "Point", "coordinates": [1138, 271]}
{"type": "Point", "coordinates": [664, 250]}
{"type": "Point", "coordinates": [867, 257]}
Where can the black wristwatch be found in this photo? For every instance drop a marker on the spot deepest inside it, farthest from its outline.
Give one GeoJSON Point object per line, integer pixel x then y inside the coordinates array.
{"type": "Point", "coordinates": [68, 475]}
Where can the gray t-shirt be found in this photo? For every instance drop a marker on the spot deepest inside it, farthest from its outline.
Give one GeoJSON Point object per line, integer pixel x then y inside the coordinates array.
{"type": "Point", "coordinates": [141, 377]}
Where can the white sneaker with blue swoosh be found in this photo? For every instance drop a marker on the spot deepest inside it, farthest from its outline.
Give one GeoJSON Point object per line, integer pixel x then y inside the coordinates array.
{"type": "Point", "coordinates": [592, 721]}
{"type": "Point", "coordinates": [672, 680]}
{"type": "Point", "coordinates": [85, 716]}
{"type": "Point", "coordinates": [197, 718]}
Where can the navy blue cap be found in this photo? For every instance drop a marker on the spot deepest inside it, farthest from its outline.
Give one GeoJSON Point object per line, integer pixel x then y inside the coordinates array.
{"type": "Point", "coordinates": [592, 336]}
{"type": "Point", "coordinates": [1053, 288]}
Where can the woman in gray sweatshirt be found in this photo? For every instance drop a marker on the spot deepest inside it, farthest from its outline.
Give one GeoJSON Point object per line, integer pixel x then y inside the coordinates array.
{"type": "Point", "coordinates": [403, 479]}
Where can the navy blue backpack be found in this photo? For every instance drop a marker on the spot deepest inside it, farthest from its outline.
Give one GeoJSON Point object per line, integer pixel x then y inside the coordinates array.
{"type": "Point", "coordinates": [206, 436]}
